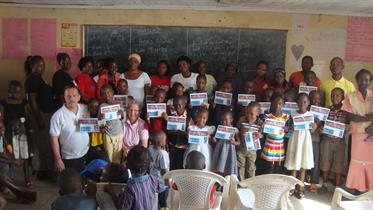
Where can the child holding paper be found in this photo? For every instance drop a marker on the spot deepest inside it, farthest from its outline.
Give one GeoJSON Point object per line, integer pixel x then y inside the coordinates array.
{"type": "Point", "coordinates": [203, 146]}
{"type": "Point", "coordinates": [273, 152]}
{"type": "Point", "coordinates": [201, 88]}
{"type": "Point", "coordinates": [279, 83]}
{"type": "Point", "coordinates": [219, 109]}
{"type": "Point", "coordinates": [112, 132]}
{"type": "Point", "coordinates": [310, 79]}
{"type": "Point", "coordinates": [245, 158]}
{"type": "Point", "coordinates": [332, 149]}
{"type": "Point", "coordinates": [224, 159]}
{"type": "Point", "coordinates": [177, 90]}
{"type": "Point", "coordinates": [156, 124]}
{"type": "Point", "coordinates": [299, 157]}
{"type": "Point", "coordinates": [248, 89]}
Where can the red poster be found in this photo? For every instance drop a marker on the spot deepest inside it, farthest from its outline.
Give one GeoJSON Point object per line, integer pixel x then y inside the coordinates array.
{"type": "Point", "coordinates": [15, 42]}
{"type": "Point", "coordinates": [43, 37]}
{"type": "Point", "coordinates": [359, 39]}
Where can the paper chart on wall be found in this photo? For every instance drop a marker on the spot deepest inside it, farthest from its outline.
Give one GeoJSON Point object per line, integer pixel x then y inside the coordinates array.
{"type": "Point", "coordinates": [44, 37]}
{"type": "Point", "coordinates": [300, 25]}
{"type": "Point", "coordinates": [359, 39]}
{"type": "Point", "coordinates": [69, 34]}
{"type": "Point", "coordinates": [15, 42]}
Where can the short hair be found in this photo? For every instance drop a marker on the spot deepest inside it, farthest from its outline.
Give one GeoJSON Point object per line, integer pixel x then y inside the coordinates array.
{"type": "Point", "coordinates": [122, 80]}
{"type": "Point", "coordinates": [226, 113]}
{"type": "Point", "coordinates": [160, 90]}
{"type": "Point", "coordinates": [183, 58]}
{"type": "Point", "coordinates": [201, 62]}
{"type": "Point", "coordinates": [262, 62]}
{"type": "Point", "coordinates": [231, 65]}
{"type": "Point", "coordinates": [200, 76]}
{"type": "Point", "coordinates": [177, 84]}
{"type": "Point", "coordinates": [165, 63]}
{"type": "Point", "coordinates": [337, 58]}
{"type": "Point", "coordinates": [363, 71]}
{"type": "Point", "coordinates": [108, 61]}
{"type": "Point", "coordinates": [69, 181]}
{"type": "Point", "coordinates": [309, 73]}
{"type": "Point", "coordinates": [320, 92]}
{"type": "Point", "coordinates": [61, 56]}
{"type": "Point", "coordinates": [339, 89]}
{"type": "Point", "coordinates": [157, 135]}
{"type": "Point", "coordinates": [27, 65]}
{"type": "Point", "coordinates": [252, 104]}
{"type": "Point", "coordinates": [94, 100]}
{"type": "Point", "coordinates": [14, 83]}
{"type": "Point", "coordinates": [307, 57]}
{"type": "Point", "coordinates": [83, 62]}
{"type": "Point", "coordinates": [105, 87]}
{"type": "Point", "coordinates": [138, 160]}
{"type": "Point", "coordinates": [117, 173]}
{"type": "Point", "coordinates": [71, 86]}
{"type": "Point", "coordinates": [303, 95]}
{"type": "Point", "coordinates": [201, 110]}
{"type": "Point", "coordinates": [176, 98]}
{"type": "Point", "coordinates": [275, 96]}
{"type": "Point", "coordinates": [195, 160]}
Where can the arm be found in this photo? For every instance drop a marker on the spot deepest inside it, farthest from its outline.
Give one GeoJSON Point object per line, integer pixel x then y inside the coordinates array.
{"type": "Point", "coordinates": [56, 153]}
{"type": "Point", "coordinates": [35, 110]}
{"type": "Point", "coordinates": [358, 118]}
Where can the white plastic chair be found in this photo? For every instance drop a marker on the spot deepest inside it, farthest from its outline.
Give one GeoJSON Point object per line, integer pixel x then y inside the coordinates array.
{"type": "Point", "coordinates": [267, 191]}
{"type": "Point", "coordinates": [234, 201]}
{"type": "Point", "coordinates": [194, 188]}
{"type": "Point", "coordinates": [356, 202]}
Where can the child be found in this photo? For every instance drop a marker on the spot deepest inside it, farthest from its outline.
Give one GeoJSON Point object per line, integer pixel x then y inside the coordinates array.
{"type": "Point", "coordinates": [218, 109]}
{"type": "Point", "coordinates": [161, 79]}
{"type": "Point", "coordinates": [112, 135]}
{"type": "Point", "coordinates": [316, 99]}
{"type": "Point", "coordinates": [156, 124]}
{"type": "Point", "coordinates": [267, 95]}
{"type": "Point", "coordinates": [139, 193]}
{"type": "Point", "coordinates": [201, 88]}
{"type": "Point", "coordinates": [273, 152]}
{"type": "Point", "coordinates": [310, 78]}
{"type": "Point", "coordinates": [178, 140]}
{"type": "Point", "coordinates": [210, 80]}
{"type": "Point", "coordinates": [14, 109]}
{"type": "Point", "coordinates": [246, 159]}
{"type": "Point", "coordinates": [203, 147]}
{"type": "Point", "coordinates": [248, 88]}
{"type": "Point", "coordinates": [71, 188]}
{"type": "Point", "coordinates": [279, 83]}
{"type": "Point", "coordinates": [122, 87]}
{"type": "Point", "coordinates": [290, 95]}
{"type": "Point", "coordinates": [332, 149]}
{"type": "Point", "coordinates": [299, 153]}
{"type": "Point", "coordinates": [160, 163]}
{"type": "Point", "coordinates": [177, 90]}
{"type": "Point", "coordinates": [224, 159]}
{"type": "Point", "coordinates": [233, 77]}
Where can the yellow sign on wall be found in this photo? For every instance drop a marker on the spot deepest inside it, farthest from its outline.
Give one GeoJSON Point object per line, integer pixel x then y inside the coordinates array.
{"type": "Point", "coordinates": [69, 34]}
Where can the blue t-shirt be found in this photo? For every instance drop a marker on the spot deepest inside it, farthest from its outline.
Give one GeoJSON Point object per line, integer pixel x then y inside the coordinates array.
{"type": "Point", "coordinates": [74, 201]}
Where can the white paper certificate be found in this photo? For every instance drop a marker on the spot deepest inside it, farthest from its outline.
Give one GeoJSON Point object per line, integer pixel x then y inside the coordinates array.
{"type": "Point", "coordinates": [252, 141]}
{"type": "Point", "coordinates": [110, 112]}
{"type": "Point", "coordinates": [225, 132]}
{"type": "Point", "coordinates": [121, 99]}
{"type": "Point", "coordinates": [264, 107]}
{"type": "Point", "coordinates": [198, 99]}
{"type": "Point", "coordinates": [176, 123]}
{"type": "Point", "coordinates": [223, 98]}
{"type": "Point", "coordinates": [302, 122]}
{"type": "Point", "coordinates": [334, 128]}
{"type": "Point", "coordinates": [245, 99]}
{"type": "Point", "coordinates": [290, 107]}
{"type": "Point", "coordinates": [155, 110]}
{"type": "Point", "coordinates": [274, 127]}
{"type": "Point", "coordinates": [320, 113]}
{"type": "Point", "coordinates": [306, 89]}
{"type": "Point", "coordinates": [88, 125]}
{"type": "Point", "coordinates": [198, 136]}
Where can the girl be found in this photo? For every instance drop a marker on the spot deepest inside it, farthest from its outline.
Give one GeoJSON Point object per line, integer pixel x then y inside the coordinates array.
{"type": "Point", "coordinates": [233, 77]}
{"type": "Point", "coordinates": [201, 88]}
{"type": "Point", "coordinates": [226, 87]}
{"type": "Point", "coordinates": [161, 78]}
{"type": "Point", "coordinates": [279, 83]}
{"type": "Point", "coordinates": [210, 80]}
{"type": "Point", "coordinates": [299, 153]}
{"type": "Point", "coordinates": [108, 77]}
{"type": "Point", "coordinates": [156, 124]}
{"type": "Point", "coordinates": [248, 88]}
{"type": "Point", "coordinates": [16, 127]}
{"type": "Point", "coordinates": [84, 80]}
{"type": "Point", "coordinates": [261, 81]}
{"type": "Point", "coordinates": [177, 90]}
{"type": "Point", "coordinates": [224, 160]}
{"type": "Point", "coordinates": [203, 147]}
{"type": "Point", "coordinates": [273, 152]}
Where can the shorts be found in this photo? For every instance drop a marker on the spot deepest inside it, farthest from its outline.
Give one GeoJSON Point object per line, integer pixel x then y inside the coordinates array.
{"type": "Point", "coordinates": [332, 153]}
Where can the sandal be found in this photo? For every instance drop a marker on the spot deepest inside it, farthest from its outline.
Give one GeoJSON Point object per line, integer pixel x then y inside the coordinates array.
{"type": "Point", "coordinates": [297, 192]}
{"type": "Point", "coordinates": [313, 188]}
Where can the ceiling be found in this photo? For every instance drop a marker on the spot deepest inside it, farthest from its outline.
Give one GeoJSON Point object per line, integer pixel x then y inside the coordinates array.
{"type": "Point", "coordinates": [333, 7]}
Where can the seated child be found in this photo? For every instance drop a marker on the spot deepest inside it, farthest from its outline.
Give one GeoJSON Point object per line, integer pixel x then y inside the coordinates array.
{"type": "Point", "coordinates": [71, 188]}
{"type": "Point", "coordinates": [139, 193]}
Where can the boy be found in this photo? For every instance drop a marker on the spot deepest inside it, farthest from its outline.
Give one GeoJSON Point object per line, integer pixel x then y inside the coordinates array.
{"type": "Point", "coordinates": [156, 124]}
{"type": "Point", "coordinates": [160, 163]}
{"type": "Point", "coordinates": [139, 193]}
{"type": "Point", "coordinates": [71, 188]}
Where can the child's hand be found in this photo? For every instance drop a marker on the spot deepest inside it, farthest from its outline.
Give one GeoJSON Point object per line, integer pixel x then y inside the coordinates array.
{"type": "Point", "coordinates": [147, 118]}
{"type": "Point", "coordinates": [286, 129]}
{"type": "Point", "coordinates": [313, 127]}
{"type": "Point", "coordinates": [109, 189]}
{"type": "Point", "coordinates": [232, 141]}
{"type": "Point", "coordinates": [91, 188]}
{"type": "Point", "coordinates": [125, 151]}
{"type": "Point", "coordinates": [164, 115]}
{"type": "Point", "coordinates": [213, 140]}
{"type": "Point", "coordinates": [213, 105]}
{"type": "Point", "coordinates": [348, 129]}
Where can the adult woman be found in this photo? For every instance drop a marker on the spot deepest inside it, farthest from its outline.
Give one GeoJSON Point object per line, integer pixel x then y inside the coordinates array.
{"type": "Point", "coordinates": [186, 77]}
{"type": "Point", "coordinates": [358, 105]}
{"type": "Point", "coordinates": [84, 80]}
{"type": "Point", "coordinates": [109, 76]}
{"type": "Point", "coordinates": [138, 81]}
{"type": "Point", "coordinates": [261, 82]}
{"type": "Point", "coordinates": [61, 78]}
{"type": "Point", "coordinates": [134, 129]}
{"type": "Point", "coordinates": [279, 83]}
{"type": "Point", "coordinates": [40, 96]}
{"type": "Point", "coordinates": [161, 78]}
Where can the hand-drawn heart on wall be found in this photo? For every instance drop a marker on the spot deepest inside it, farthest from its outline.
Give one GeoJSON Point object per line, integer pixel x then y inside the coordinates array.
{"type": "Point", "coordinates": [297, 51]}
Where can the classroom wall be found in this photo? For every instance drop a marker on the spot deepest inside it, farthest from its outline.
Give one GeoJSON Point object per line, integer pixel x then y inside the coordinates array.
{"type": "Point", "coordinates": [316, 32]}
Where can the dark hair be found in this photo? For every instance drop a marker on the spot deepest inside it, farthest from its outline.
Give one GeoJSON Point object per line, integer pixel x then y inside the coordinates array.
{"type": "Point", "coordinates": [275, 96]}
{"type": "Point", "coordinates": [34, 60]}
{"type": "Point", "coordinates": [176, 98]}
{"type": "Point", "coordinates": [226, 81]}
{"type": "Point", "coordinates": [14, 83]}
{"type": "Point", "coordinates": [231, 65]}
{"type": "Point", "coordinates": [108, 61]}
{"type": "Point", "coordinates": [337, 58]}
{"type": "Point", "coordinates": [309, 73]}
{"type": "Point", "coordinates": [307, 57]}
{"type": "Point", "coordinates": [363, 71]}
{"type": "Point", "coordinates": [202, 109]}
{"type": "Point", "coordinates": [303, 95]}
{"type": "Point", "coordinates": [160, 90]}
{"type": "Point", "coordinates": [339, 89]}
{"type": "Point", "coordinates": [321, 93]}
{"type": "Point", "coordinates": [226, 113]}
{"type": "Point", "coordinates": [252, 104]}
{"type": "Point", "coordinates": [69, 181]}
{"type": "Point", "coordinates": [183, 58]}
{"type": "Point", "coordinates": [27, 65]}
{"type": "Point", "coordinates": [117, 173]}
{"type": "Point", "coordinates": [122, 80]}
{"type": "Point", "coordinates": [83, 62]}
{"type": "Point", "coordinates": [281, 71]}
{"type": "Point", "coordinates": [262, 62]}
{"type": "Point", "coordinates": [201, 62]}
{"type": "Point", "coordinates": [157, 135]}
{"type": "Point", "coordinates": [165, 63]}
{"type": "Point", "coordinates": [200, 76]}
{"type": "Point", "coordinates": [195, 160]}
{"type": "Point", "coordinates": [93, 100]}
{"type": "Point", "coordinates": [290, 92]}
{"type": "Point", "coordinates": [61, 56]}
{"type": "Point", "coordinates": [138, 160]}
{"type": "Point", "coordinates": [104, 87]}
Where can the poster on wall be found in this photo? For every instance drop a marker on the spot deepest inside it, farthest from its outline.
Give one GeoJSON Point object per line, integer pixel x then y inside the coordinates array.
{"type": "Point", "coordinates": [359, 39]}
{"type": "Point", "coordinates": [69, 34]}
{"type": "Point", "coordinates": [43, 37]}
{"type": "Point", "coordinates": [15, 42]}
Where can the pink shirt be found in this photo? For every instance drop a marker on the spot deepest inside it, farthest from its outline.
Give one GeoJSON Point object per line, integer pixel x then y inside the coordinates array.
{"type": "Point", "coordinates": [135, 132]}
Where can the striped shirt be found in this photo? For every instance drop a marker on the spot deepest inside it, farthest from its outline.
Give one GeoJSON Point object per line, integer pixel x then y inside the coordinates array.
{"type": "Point", "coordinates": [139, 193]}
{"type": "Point", "coordinates": [337, 115]}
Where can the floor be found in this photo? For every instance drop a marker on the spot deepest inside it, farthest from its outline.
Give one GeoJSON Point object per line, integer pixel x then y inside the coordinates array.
{"type": "Point", "coordinates": [48, 191]}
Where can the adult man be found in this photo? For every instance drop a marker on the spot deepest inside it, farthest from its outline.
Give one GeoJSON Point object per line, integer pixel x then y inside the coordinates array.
{"type": "Point", "coordinates": [296, 78]}
{"type": "Point", "coordinates": [337, 80]}
{"type": "Point", "coordinates": [65, 135]}
{"type": "Point", "coordinates": [186, 77]}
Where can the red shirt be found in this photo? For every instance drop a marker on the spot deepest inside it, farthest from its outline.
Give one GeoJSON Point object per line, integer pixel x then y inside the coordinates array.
{"type": "Point", "coordinates": [103, 79]}
{"type": "Point", "coordinates": [157, 124]}
{"type": "Point", "coordinates": [260, 87]}
{"type": "Point", "coordinates": [87, 85]}
{"type": "Point", "coordinates": [158, 82]}
{"type": "Point", "coordinates": [297, 77]}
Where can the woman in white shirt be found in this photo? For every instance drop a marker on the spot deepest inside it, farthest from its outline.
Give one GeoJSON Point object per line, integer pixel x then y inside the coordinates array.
{"type": "Point", "coordinates": [186, 77]}
{"type": "Point", "coordinates": [138, 81]}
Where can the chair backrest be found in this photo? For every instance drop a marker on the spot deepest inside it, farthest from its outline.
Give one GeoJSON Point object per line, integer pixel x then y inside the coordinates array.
{"type": "Point", "coordinates": [270, 189]}
{"type": "Point", "coordinates": [363, 201]}
{"type": "Point", "coordinates": [103, 199]}
{"type": "Point", "coordinates": [194, 187]}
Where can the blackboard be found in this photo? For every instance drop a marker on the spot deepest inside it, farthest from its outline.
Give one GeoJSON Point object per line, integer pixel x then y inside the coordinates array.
{"type": "Point", "coordinates": [216, 46]}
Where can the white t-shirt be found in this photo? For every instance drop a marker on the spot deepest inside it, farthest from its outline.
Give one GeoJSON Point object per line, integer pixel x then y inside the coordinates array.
{"type": "Point", "coordinates": [136, 87]}
{"type": "Point", "coordinates": [64, 124]}
{"type": "Point", "coordinates": [187, 82]}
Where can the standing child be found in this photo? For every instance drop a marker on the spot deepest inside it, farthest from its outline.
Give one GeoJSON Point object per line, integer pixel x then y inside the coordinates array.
{"type": "Point", "coordinates": [160, 163]}
{"type": "Point", "coordinates": [112, 135]}
{"type": "Point", "coordinates": [332, 149]}
{"type": "Point", "coordinates": [224, 158]}
{"type": "Point", "coordinates": [246, 159]}
{"type": "Point", "coordinates": [300, 154]}
{"type": "Point", "coordinates": [310, 79]}
{"type": "Point", "coordinates": [233, 77]}
{"type": "Point", "coordinates": [273, 152]}
{"type": "Point", "coordinates": [16, 127]}
{"type": "Point", "coordinates": [279, 83]}
{"type": "Point", "coordinates": [316, 99]}
{"type": "Point", "coordinates": [122, 87]}
{"type": "Point", "coordinates": [161, 78]}
{"type": "Point", "coordinates": [219, 109]}
{"type": "Point", "coordinates": [248, 88]}
{"type": "Point", "coordinates": [177, 90]}
{"type": "Point", "coordinates": [203, 147]}
{"type": "Point", "coordinates": [156, 124]}
{"type": "Point", "coordinates": [201, 88]}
